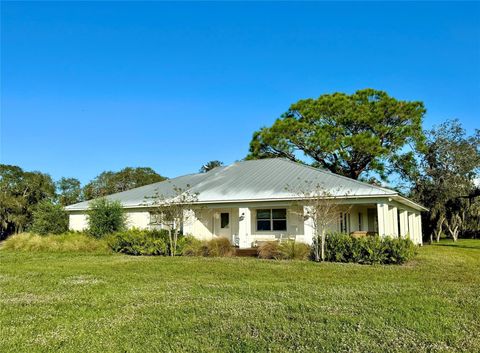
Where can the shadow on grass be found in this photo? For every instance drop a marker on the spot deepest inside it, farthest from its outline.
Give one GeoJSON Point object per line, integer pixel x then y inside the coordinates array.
{"type": "Point", "coordinates": [472, 244]}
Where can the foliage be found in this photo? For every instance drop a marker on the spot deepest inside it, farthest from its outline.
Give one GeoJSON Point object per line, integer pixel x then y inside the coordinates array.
{"type": "Point", "coordinates": [20, 192]}
{"type": "Point", "coordinates": [210, 165]}
{"type": "Point", "coordinates": [445, 181]}
{"type": "Point", "coordinates": [368, 250]}
{"type": "Point", "coordinates": [66, 242]}
{"type": "Point", "coordinates": [352, 135]}
{"type": "Point", "coordinates": [113, 303]}
{"type": "Point", "coordinates": [49, 218]}
{"type": "Point", "coordinates": [284, 250]}
{"type": "Point", "coordinates": [109, 182]}
{"type": "Point", "coordinates": [69, 191]}
{"type": "Point", "coordinates": [140, 242]}
{"type": "Point", "coordinates": [322, 209]}
{"type": "Point", "coordinates": [105, 217]}
{"type": "Point", "coordinates": [216, 247]}
{"type": "Point", "coordinates": [173, 212]}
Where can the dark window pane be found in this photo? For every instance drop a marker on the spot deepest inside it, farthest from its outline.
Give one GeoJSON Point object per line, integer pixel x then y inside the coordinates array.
{"type": "Point", "coordinates": [279, 214]}
{"type": "Point", "coordinates": [224, 220]}
{"type": "Point", "coordinates": [279, 225]}
{"type": "Point", "coordinates": [263, 214]}
{"type": "Point", "coordinates": [263, 225]}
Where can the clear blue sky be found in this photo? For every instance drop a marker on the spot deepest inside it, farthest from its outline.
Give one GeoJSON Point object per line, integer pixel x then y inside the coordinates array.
{"type": "Point", "coordinates": [88, 87]}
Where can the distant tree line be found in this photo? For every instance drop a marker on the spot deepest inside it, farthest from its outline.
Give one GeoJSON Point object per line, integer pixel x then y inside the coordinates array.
{"type": "Point", "coordinates": [368, 136]}
{"type": "Point", "coordinates": [34, 201]}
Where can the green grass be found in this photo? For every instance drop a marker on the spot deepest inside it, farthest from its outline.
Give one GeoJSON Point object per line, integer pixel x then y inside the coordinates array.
{"type": "Point", "coordinates": [75, 302]}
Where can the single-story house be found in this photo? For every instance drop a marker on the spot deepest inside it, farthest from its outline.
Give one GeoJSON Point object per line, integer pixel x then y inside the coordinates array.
{"type": "Point", "coordinates": [256, 200]}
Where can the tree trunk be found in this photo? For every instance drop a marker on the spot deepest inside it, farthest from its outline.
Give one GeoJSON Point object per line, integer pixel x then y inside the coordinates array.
{"type": "Point", "coordinates": [323, 245]}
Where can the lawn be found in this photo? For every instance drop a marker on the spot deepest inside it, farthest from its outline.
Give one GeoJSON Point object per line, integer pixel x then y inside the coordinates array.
{"type": "Point", "coordinates": [117, 303]}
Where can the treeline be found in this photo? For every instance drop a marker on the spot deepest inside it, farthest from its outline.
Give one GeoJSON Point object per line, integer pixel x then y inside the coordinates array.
{"type": "Point", "coordinates": [24, 194]}
{"type": "Point", "coordinates": [367, 136]}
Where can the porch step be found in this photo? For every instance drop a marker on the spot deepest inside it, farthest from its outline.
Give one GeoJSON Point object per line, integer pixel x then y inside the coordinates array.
{"type": "Point", "coordinates": [250, 252]}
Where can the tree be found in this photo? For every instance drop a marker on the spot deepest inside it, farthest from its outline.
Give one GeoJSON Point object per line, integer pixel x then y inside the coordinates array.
{"type": "Point", "coordinates": [447, 169]}
{"type": "Point", "coordinates": [20, 192]}
{"type": "Point", "coordinates": [173, 212]}
{"type": "Point", "coordinates": [356, 135]}
{"type": "Point", "coordinates": [210, 165]}
{"type": "Point", "coordinates": [108, 183]}
{"type": "Point", "coordinates": [322, 208]}
{"type": "Point", "coordinates": [105, 217]}
{"type": "Point", "coordinates": [69, 191]}
{"type": "Point", "coordinates": [49, 218]}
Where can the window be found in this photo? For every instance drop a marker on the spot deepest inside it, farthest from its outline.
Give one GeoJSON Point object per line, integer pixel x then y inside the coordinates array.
{"type": "Point", "coordinates": [344, 222]}
{"type": "Point", "coordinates": [272, 219]}
{"type": "Point", "coordinates": [224, 220]}
{"type": "Point", "coordinates": [360, 216]}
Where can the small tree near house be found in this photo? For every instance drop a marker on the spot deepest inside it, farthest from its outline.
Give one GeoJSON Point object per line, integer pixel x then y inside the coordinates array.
{"type": "Point", "coordinates": [173, 212]}
{"type": "Point", "coordinates": [322, 208]}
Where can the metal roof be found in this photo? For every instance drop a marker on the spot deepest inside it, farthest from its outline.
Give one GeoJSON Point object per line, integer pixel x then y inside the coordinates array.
{"type": "Point", "coordinates": [254, 180]}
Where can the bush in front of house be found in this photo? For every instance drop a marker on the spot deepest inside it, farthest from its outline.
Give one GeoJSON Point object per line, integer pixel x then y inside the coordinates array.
{"type": "Point", "coordinates": [49, 218]}
{"type": "Point", "coordinates": [105, 217]}
{"type": "Point", "coordinates": [285, 250]}
{"type": "Point", "coordinates": [216, 247]}
{"type": "Point", "coordinates": [140, 242]}
{"type": "Point", "coordinates": [368, 250]}
{"type": "Point", "coordinates": [66, 242]}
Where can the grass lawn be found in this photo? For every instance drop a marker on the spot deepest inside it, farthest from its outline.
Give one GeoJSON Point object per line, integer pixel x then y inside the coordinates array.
{"type": "Point", "coordinates": [115, 303]}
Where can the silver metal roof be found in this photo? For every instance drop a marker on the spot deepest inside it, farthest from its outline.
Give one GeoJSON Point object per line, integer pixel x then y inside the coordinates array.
{"type": "Point", "coordinates": [255, 180]}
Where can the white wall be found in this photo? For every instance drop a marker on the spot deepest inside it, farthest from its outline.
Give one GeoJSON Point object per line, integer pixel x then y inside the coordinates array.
{"type": "Point", "coordinates": [135, 218]}
{"type": "Point", "coordinates": [77, 222]}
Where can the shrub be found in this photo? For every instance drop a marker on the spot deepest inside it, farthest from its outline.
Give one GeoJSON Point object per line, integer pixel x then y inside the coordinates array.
{"type": "Point", "coordinates": [220, 247]}
{"type": "Point", "coordinates": [140, 242]}
{"type": "Point", "coordinates": [49, 218]}
{"type": "Point", "coordinates": [368, 250]}
{"type": "Point", "coordinates": [67, 242]}
{"type": "Point", "coordinates": [105, 217]}
{"type": "Point", "coordinates": [269, 250]}
{"type": "Point", "coordinates": [216, 247]}
{"type": "Point", "coordinates": [293, 250]}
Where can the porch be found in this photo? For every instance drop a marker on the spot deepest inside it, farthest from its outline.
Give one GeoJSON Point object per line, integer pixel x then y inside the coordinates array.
{"type": "Point", "coordinates": [245, 226]}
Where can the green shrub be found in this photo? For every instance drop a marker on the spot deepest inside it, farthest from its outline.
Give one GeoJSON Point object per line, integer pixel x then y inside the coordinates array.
{"type": "Point", "coordinates": [192, 246]}
{"type": "Point", "coordinates": [216, 247]}
{"type": "Point", "coordinates": [284, 250]}
{"type": "Point", "coordinates": [140, 242]}
{"type": "Point", "coordinates": [368, 250]}
{"type": "Point", "coordinates": [105, 217]}
{"type": "Point", "coordinates": [49, 218]}
{"type": "Point", "coordinates": [67, 242]}
{"type": "Point", "coordinates": [293, 250]}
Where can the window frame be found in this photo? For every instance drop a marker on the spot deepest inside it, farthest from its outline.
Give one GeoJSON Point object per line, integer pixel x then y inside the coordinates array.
{"type": "Point", "coordinates": [271, 220]}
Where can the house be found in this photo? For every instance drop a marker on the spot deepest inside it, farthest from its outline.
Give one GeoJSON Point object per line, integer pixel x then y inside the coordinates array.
{"type": "Point", "coordinates": [250, 201]}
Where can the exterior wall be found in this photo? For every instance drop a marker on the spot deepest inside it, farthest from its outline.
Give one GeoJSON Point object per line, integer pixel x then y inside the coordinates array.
{"type": "Point", "coordinates": [77, 221]}
{"type": "Point", "coordinates": [135, 218]}
{"type": "Point", "coordinates": [391, 219]}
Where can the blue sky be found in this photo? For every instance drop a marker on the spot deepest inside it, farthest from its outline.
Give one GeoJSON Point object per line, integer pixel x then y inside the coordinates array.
{"type": "Point", "coordinates": [88, 87]}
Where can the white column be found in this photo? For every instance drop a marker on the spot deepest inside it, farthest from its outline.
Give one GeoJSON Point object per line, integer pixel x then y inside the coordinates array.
{"type": "Point", "coordinates": [411, 226]}
{"type": "Point", "coordinates": [382, 216]}
{"type": "Point", "coordinates": [394, 221]}
{"type": "Point", "coordinates": [244, 228]}
{"type": "Point", "coordinates": [308, 226]}
{"type": "Point", "coordinates": [403, 223]}
{"type": "Point", "coordinates": [418, 229]}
